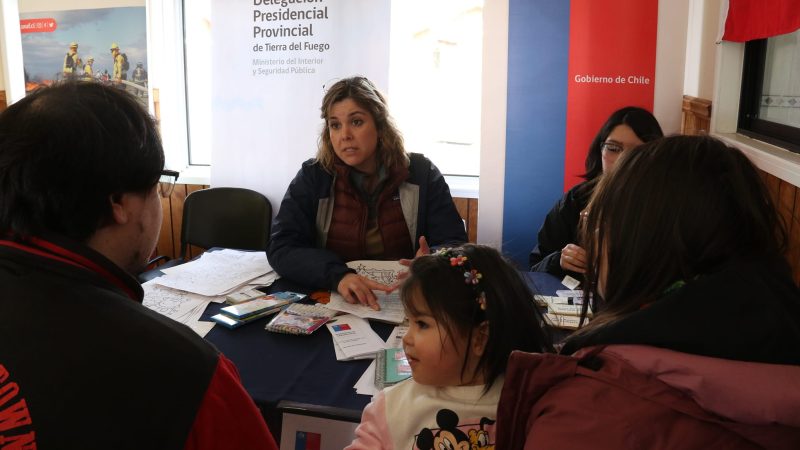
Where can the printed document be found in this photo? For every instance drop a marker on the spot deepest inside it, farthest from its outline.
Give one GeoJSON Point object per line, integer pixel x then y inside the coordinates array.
{"type": "Point", "coordinates": [353, 338]}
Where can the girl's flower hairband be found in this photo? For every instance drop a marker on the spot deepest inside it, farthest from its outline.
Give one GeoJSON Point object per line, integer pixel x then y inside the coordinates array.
{"type": "Point", "coordinates": [471, 275]}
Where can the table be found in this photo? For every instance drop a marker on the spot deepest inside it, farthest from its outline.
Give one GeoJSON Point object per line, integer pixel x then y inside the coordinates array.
{"type": "Point", "coordinates": [278, 367]}
{"type": "Point", "coordinates": [542, 283]}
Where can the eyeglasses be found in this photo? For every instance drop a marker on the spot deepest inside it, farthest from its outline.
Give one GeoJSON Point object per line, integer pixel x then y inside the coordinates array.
{"type": "Point", "coordinates": [167, 182]}
{"type": "Point", "coordinates": [612, 147]}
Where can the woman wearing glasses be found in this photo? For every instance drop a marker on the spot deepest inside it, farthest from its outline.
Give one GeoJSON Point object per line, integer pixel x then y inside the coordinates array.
{"type": "Point", "coordinates": [557, 251]}
{"type": "Point", "coordinates": [362, 197]}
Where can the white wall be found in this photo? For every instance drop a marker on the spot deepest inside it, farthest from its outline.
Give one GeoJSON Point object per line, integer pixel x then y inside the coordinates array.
{"type": "Point", "coordinates": [13, 78]}
{"type": "Point", "coordinates": [493, 122]}
{"type": "Point", "coordinates": [701, 48]}
{"type": "Point", "coordinates": [670, 62]}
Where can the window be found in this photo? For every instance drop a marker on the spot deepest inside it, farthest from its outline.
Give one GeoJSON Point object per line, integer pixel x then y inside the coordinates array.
{"type": "Point", "coordinates": [770, 102]}
{"type": "Point", "coordinates": [435, 80]}
{"type": "Point", "coordinates": [199, 66]}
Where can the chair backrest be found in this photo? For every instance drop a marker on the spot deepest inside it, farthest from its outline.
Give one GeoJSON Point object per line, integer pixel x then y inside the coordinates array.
{"type": "Point", "coordinates": [226, 217]}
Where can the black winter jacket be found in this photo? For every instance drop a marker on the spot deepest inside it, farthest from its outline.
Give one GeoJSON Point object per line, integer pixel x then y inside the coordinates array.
{"type": "Point", "coordinates": [297, 247]}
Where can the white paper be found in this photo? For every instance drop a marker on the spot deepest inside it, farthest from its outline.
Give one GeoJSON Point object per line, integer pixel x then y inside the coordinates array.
{"type": "Point", "coordinates": [216, 273]}
{"type": "Point", "coordinates": [201, 328]}
{"type": "Point", "coordinates": [391, 307]}
{"type": "Point", "coordinates": [570, 282]}
{"type": "Point", "coordinates": [265, 280]}
{"type": "Point", "coordinates": [366, 384]}
{"type": "Point", "coordinates": [395, 340]}
{"type": "Point", "coordinates": [565, 310]}
{"type": "Point", "coordinates": [569, 293]}
{"type": "Point", "coordinates": [354, 336]}
{"type": "Point", "coordinates": [183, 307]}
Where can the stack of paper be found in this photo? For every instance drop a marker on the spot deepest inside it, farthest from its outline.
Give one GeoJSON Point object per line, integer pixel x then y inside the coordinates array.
{"type": "Point", "coordinates": [185, 290]}
{"type": "Point", "coordinates": [564, 310]}
{"type": "Point", "coordinates": [217, 273]}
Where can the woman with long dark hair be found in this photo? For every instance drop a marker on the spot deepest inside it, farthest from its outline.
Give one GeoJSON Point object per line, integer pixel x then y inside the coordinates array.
{"type": "Point", "coordinates": [695, 342]}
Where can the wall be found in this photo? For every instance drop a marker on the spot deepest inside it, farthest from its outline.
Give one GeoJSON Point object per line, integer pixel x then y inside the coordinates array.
{"type": "Point", "coordinates": [493, 121]}
{"type": "Point", "coordinates": [701, 46]}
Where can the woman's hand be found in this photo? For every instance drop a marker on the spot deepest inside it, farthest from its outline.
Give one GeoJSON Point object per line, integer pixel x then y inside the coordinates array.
{"type": "Point", "coordinates": [423, 250]}
{"type": "Point", "coordinates": [573, 258]}
{"type": "Point", "coordinates": [357, 289]}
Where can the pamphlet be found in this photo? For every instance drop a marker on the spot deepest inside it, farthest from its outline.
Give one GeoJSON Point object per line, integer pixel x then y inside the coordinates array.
{"type": "Point", "coordinates": [300, 319]}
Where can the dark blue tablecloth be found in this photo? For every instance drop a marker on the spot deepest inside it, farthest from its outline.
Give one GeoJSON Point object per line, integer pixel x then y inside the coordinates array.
{"type": "Point", "coordinates": [304, 369]}
{"type": "Point", "coordinates": [278, 367]}
{"type": "Point", "coordinates": [543, 283]}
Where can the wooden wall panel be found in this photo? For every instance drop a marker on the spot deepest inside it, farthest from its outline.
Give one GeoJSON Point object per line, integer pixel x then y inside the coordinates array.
{"type": "Point", "coordinates": [793, 255]}
{"type": "Point", "coordinates": [169, 241]}
{"type": "Point", "coordinates": [468, 210]}
{"type": "Point", "coordinates": [787, 200]}
{"type": "Point", "coordinates": [3, 102]}
{"type": "Point", "coordinates": [696, 115]}
{"type": "Point", "coordinates": [472, 228]}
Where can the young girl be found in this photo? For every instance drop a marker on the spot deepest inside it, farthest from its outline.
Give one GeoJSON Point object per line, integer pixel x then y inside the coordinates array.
{"type": "Point", "coordinates": [467, 310]}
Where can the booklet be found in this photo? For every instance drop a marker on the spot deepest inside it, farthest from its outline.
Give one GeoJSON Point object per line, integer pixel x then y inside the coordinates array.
{"type": "Point", "coordinates": [300, 319]}
{"type": "Point", "coordinates": [353, 338]}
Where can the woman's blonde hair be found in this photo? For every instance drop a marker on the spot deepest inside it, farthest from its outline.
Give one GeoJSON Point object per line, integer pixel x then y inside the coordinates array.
{"type": "Point", "coordinates": [390, 150]}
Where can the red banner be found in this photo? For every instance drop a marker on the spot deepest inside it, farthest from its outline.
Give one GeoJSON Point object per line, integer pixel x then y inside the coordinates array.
{"type": "Point", "coordinates": [612, 64]}
{"type": "Point", "coordinates": [43, 25]}
{"type": "Point", "coordinates": [759, 19]}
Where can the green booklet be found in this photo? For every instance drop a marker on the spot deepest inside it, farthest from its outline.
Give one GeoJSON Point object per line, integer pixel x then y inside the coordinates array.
{"type": "Point", "coordinates": [391, 367]}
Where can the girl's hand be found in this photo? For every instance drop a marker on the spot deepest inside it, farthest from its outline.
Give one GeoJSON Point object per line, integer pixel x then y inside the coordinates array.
{"type": "Point", "coordinates": [357, 289]}
{"type": "Point", "coordinates": [573, 258]}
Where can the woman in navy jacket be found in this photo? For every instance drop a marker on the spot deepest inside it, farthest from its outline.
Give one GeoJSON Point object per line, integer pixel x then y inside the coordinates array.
{"type": "Point", "coordinates": [362, 197]}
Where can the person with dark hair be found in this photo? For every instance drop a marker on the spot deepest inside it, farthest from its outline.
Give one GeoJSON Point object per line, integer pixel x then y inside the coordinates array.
{"type": "Point", "coordinates": [468, 309]}
{"type": "Point", "coordinates": [82, 363]}
{"type": "Point", "coordinates": [557, 251]}
{"type": "Point", "coordinates": [695, 340]}
{"type": "Point", "coordinates": [362, 197]}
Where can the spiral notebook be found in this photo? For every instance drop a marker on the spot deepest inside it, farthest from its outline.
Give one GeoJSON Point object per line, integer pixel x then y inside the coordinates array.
{"type": "Point", "coordinates": [391, 367]}
{"type": "Point", "coordinates": [300, 319]}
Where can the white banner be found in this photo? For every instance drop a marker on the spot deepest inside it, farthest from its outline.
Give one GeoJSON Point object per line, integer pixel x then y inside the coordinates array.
{"type": "Point", "coordinates": [271, 62]}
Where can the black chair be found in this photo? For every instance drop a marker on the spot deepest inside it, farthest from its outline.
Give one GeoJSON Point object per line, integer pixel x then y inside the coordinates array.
{"type": "Point", "coordinates": [225, 217]}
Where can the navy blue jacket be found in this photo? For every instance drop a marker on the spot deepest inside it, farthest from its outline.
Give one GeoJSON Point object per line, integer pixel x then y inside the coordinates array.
{"type": "Point", "coordinates": [297, 246]}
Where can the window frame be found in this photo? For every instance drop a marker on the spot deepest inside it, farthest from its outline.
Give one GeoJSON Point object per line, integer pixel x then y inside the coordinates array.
{"type": "Point", "coordinates": [749, 123]}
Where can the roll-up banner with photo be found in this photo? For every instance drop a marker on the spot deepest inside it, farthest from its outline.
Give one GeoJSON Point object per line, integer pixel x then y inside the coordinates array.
{"type": "Point", "coordinates": [272, 61]}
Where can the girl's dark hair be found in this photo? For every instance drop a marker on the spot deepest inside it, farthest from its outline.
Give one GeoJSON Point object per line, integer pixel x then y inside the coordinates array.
{"type": "Point", "coordinates": [390, 151]}
{"type": "Point", "coordinates": [675, 209]}
{"type": "Point", "coordinates": [513, 319]}
{"type": "Point", "coordinates": [64, 150]}
{"type": "Point", "coordinates": [641, 121]}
